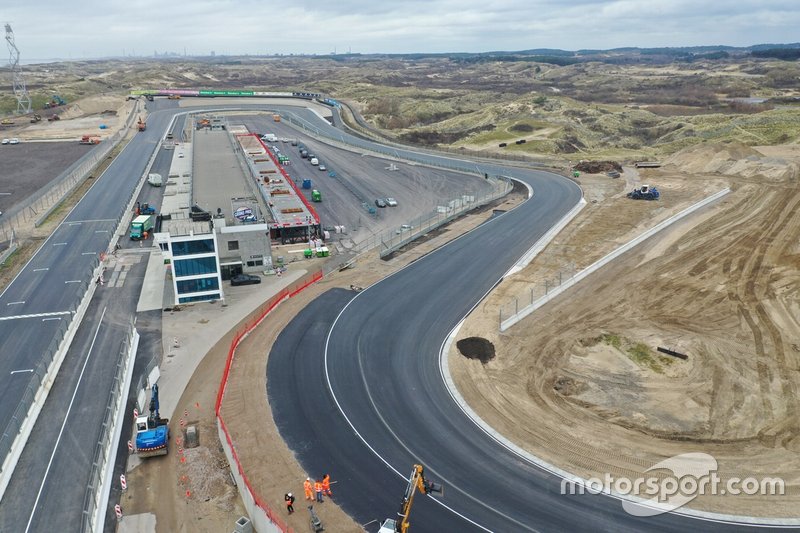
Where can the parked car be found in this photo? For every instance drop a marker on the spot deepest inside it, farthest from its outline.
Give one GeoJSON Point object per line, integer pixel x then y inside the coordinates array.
{"type": "Point", "coordinates": [322, 167]}
{"type": "Point", "coordinates": [380, 202]}
{"type": "Point", "coordinates": [245, 279]}
{"type": "Point", "coordinates": [391, 202]}
{"type": "Point", "coordinates": [14, 140]}
{"type": "Point", "coordinates": [6, 141]}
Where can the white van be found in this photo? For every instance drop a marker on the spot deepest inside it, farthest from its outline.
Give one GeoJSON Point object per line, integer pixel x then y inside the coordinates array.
{"type": "Point", "coordinates": [314, 161]}
{"type": "Point", "coordinates": [270, 137]}
{"type": "Point", "coordinates": [155, 180]}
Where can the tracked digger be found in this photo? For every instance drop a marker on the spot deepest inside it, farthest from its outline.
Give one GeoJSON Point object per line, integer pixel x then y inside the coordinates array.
{"type": "Point", "coordinates": [416, 482]}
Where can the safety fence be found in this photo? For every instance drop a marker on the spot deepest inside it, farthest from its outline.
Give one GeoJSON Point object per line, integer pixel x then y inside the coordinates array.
{"type": "Point", "coordinates": [103, 449]}
{"type": "Point", "coordinates": [258, 509]}
{"type": "Point", "coordinates": [35, 393]}
{"type": "Point", "coordinates": [508, 317]}
{"type": "Point", "coordinates": [35, 209]}
{"type": "Point", "coordinates": [17, 430]}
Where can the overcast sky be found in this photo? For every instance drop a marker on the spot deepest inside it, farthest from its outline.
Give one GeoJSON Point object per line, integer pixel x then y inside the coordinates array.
{"type": "Point", "coordinates": [98, 28]}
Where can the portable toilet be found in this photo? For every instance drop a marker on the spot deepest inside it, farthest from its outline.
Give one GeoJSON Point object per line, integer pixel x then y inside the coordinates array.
{"type": "Point", "coordinates": [316, 196]}
{"type": "Point", "coordinates": [307, 184]}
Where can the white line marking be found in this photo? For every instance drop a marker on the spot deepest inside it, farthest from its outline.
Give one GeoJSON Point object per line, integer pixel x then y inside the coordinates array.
{"type": "Point", "coordinates": [36, 315]}
{"type": "Point", "coordinates": [73, 281]}
{"type": "Point", "coordinates": [41, 269]}
{"type": "Point", "coordinates": [101, 231]}
{"type": "Point", "coordinates": [90, 221]}
{"type": "Point", "coordinates": [59, 244]}
{"type": "Point", "coordinates": [22, 371]}
{"type": "Point", "coordinates": [66, 417]}
{"type": "Point", "coordinates": [88, 253]}
{"type": "Point", "coordinates": [52, 318]}
{"type": "Point", "coordinates": [74, 223]}
{"type": "Point", "coordinates": [375, 410]}
{"type": "Point", "coordinates": [16, 303]}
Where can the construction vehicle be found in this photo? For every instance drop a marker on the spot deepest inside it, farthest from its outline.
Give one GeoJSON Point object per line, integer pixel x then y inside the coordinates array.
{"type": "Point", "coordinates": [149, 97]}
{"type": "Point", "coordinates": [89, 139]}
{"type": "Point", "coordinates": [36, 118]}
{"type": "Point", "coordinates": [142, 125]}
{"type": "Point", "coordinates": [7, 122]}
{"type": "Point", "coordinates": [55, 101]}
{"type": "Point", "coordinates": [152, 432]}
{"type": "Point", "coordinates": [174, 97]}
{"type": "Point", "coordinates": [645, 192]}
{"type": "Point", "coordinates": [140, 225]}
{"type": "Point", "coordinates": [276, 118]}
{"type": "Point", "coordinates": [53, 118]}
{"type": "Point", "coordinates": [146, 209]}
{"type": "Point", "coordinates": [416, 482]}
{"type": "Point", "coordinates": [316, 196]}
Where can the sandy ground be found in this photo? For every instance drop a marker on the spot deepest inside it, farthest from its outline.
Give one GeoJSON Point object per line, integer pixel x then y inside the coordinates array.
{"type": "Point", "coordinates": [721, 286]}
{"type": "Point", "coordinates": [82, 117]}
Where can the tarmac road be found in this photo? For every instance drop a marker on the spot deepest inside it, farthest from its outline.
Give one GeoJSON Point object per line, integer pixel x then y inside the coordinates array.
{"type": "Point", "coordinates": [380, 366]}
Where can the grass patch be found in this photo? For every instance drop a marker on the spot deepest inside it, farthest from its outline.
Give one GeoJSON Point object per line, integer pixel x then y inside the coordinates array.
{"type": "Point", "coordinates": [640, 354]}
{"type": "Point", "coordinates": [612, 340]}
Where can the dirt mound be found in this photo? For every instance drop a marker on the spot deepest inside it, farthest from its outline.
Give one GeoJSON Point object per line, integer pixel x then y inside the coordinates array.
{"type": "Point", "coordinates": [732, 159]}
{"type": "Point", "coordinates": [598, 167]}
{"type": "Point", "coordinates": [476, 348]}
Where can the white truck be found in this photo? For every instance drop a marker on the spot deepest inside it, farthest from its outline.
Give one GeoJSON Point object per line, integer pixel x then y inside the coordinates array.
{"type": "Point", "coordinates": [155, 180]}
{"type": "Point", "coordinates": [269, 137]}
{"type": "Point", "coordinates": [314, 161]}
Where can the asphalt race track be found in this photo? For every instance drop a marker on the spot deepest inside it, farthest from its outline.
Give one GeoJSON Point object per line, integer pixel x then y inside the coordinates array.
{"type": "Point", "coordinates": [369, 401]}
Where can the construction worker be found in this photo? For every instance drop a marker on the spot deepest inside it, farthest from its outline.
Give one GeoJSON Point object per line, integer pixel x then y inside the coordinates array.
{"type": "Point", "coordinates": [289, 502]}
{"type": "Point", "coordinates": [309, 490]}
{"type": "Point", "coordinates": [318, 490]}
{"type": "Point", "coordinates": [326, 485]}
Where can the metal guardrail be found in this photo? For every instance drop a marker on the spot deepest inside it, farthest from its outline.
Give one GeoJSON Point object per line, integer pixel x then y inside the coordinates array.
{"type": "Point", "coordinates": [28, 398]}
{"type": "Point", "coordinates": [102, 452]}
{"type": "Point", "coordinates": [37, 207]}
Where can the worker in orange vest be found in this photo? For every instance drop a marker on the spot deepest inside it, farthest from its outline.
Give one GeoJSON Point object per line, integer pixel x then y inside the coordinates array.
{"type": "Point", "coordinates": [318, 490]}
{"type": "Point", "coordinates": [308, 489]}
{"type": "Point", "coordinates": [326, 485]}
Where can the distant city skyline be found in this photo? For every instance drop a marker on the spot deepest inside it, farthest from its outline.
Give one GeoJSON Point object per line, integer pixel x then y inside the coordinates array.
{"type": "Point", "coordinates": [92, 29]}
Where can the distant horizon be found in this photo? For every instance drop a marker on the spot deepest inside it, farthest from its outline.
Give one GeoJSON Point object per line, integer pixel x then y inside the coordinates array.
{"type": "Point", "coordinates": [176, 55]}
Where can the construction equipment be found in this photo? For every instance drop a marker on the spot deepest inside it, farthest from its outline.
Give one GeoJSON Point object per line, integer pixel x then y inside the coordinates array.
{"type": "Point", "coordinates": [36, 118]}
{"type": "Point", "coordinates": [142, 125]}
{"type": "Point", "coordinates": [152, 432]}
{"type": "Point", "coordinates": [316, 523]}
{"type": "Point", "coordinates": [89, 139]}
{"type": "Point", "coordinates": [55, 101]}
{"type": "Point", "coordinates": [140, 225]}
{"type": "Point", "coordinates": [276, 118]}
{"type": "Point", "coordinates": [174, 97]}
{"type": "Point", "coordinates": [146, 209]}
{"type": "Point", "coordinates": [53, 118]}
{"type": "Point", "coordinates": [7, 122]}
{"type": "Point", "coordinates": [316, 196]}
{"type": "Point", "coordinates": [645, 192]}
{"type": "Point", "coordinates": [416, 482]}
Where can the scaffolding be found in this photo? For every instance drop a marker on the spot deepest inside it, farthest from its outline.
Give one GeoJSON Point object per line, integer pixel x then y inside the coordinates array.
{"type": "Point", "coordinates": [23, 98]}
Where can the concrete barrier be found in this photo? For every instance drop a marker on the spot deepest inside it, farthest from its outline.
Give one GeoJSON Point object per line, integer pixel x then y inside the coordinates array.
{"type": "Point", "coordinates": [527, 310]}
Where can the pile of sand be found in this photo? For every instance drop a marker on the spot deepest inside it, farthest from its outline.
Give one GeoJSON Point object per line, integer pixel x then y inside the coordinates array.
{"type": "Point", "coordinates": [732, 159]}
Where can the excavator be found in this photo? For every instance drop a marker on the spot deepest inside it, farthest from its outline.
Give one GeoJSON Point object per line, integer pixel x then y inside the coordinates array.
{"type": "Point", "coordinates": [141, 125]}
{"type": "Point", "coordinates": [416, 482]}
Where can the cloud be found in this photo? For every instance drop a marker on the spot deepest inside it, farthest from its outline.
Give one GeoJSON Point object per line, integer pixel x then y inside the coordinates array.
{"type": "Point", "coordinates": [94, 28]}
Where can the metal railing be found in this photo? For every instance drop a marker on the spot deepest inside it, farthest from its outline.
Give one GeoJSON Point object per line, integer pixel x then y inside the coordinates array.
{"type": "Point", "coordinates": [39, 374]}
{"type": "Point", "coordinates": [37, 207]}
{"type": "Point", "coordinates": [102, 449]}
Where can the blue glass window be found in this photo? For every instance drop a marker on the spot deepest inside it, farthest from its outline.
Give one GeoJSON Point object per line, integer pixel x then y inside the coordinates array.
{"type": "Point", "coordinates": [194, 267]}
{"type": "Point", "coordinates": [205, 246]}
{"type": "Point", "coordinates": [198, 285]}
